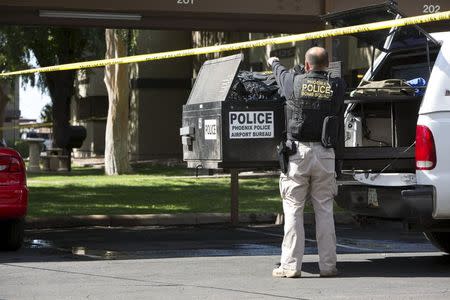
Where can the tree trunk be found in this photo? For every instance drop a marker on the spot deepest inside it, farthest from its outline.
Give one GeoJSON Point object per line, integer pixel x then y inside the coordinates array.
{"type": "Point", "coordinates": [61, 90]}
{"type": "Point", "coordinates": [4, 99]}
{"type": "Point", "coordinates": [117, 83]}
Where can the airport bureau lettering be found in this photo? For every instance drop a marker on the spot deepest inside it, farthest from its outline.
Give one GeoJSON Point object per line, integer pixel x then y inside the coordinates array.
{"type": "Point", "coordinates": [251, 125]}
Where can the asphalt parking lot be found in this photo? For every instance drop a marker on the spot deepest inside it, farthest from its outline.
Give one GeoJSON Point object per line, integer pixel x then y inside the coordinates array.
{"type": "Point", "coordinates": [218, 262]}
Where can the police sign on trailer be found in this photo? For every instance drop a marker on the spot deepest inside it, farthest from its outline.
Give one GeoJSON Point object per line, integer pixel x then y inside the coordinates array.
{"type": "Point", "coordinates": [251, 124]}
{"type": "Point", "coordinates": [211, 129]}
{"type": "Point", "coordinates": [225, 133]}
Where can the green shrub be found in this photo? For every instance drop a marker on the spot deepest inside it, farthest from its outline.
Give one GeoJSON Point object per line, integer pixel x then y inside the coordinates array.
{"type": "Point", "coordinates": [22, 147]}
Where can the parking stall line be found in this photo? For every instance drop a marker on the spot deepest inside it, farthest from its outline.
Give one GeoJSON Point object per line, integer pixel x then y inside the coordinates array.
{"type": "Point", "coordinates": [308, 240]}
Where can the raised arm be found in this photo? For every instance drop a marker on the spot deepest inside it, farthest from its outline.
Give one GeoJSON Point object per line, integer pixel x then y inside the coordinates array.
{"type": "Point", "coordinates": [284, 78]}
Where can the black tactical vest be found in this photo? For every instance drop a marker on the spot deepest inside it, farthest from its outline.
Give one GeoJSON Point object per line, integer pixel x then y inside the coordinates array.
{"type": "Point", "coordinates": [315, 97]}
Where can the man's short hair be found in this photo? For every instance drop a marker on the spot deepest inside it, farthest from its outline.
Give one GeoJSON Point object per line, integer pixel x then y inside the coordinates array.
{"type": "Point", "coordinates": [317, 57]}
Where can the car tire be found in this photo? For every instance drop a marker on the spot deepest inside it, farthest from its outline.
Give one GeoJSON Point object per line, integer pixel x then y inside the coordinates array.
{"type": "Point", "coordinates": [440, 240]}
{"type": "Point", "coordinates": [11, 234]}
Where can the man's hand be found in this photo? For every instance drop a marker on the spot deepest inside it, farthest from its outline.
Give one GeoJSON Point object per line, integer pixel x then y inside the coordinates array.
{"type": "Point", "coordinates": [271, 60]}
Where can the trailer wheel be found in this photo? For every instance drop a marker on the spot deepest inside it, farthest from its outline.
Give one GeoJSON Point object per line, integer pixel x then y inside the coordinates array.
{"type": "Point", "coordinates": [11, 234]}
{"type": "Point", "coordinates": [440, 240]}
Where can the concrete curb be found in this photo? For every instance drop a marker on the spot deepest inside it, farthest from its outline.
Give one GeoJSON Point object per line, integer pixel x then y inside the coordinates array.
{"type": "Point", "coordinates": [165, 220]}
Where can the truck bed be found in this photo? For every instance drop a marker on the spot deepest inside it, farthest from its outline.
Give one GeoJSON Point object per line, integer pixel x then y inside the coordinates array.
{"type": "Point", "coordinates": [388, 124]}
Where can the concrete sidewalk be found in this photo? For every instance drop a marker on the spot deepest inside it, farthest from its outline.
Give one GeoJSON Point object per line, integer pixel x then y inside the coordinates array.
{"type": "Point", "coordinates": [165, 220]}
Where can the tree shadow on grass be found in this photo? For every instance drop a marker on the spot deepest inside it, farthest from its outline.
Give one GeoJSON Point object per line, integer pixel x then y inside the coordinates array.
{"type": "Point", "coordinates": [141, 169]}
{"type": "Point", "coordinates": [74, 172]}
{"type": "Point", "coordinates": [175, 197]}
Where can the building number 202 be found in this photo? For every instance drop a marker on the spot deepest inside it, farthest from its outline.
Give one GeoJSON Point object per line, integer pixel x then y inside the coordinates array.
{"type": "Point", "coordinates": [431, 9]}
{"type": "Point", "coordinates": [185, 2]}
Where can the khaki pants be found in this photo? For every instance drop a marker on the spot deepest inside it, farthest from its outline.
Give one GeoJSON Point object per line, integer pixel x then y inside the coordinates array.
{"type": "Point", "coordinates": [311, 176]}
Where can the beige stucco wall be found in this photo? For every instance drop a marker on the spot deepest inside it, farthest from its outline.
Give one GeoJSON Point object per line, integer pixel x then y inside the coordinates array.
{"type": "Point", "coordinates": [90, 84]}
{"type": "Point", "coordinates": [156, 110]}
{"type": "Point", "coordinates": [11, 133]}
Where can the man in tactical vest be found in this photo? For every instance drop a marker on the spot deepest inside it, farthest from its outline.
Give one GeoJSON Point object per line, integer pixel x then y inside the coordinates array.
{"type": "Point", "coordinates": [312, 100]}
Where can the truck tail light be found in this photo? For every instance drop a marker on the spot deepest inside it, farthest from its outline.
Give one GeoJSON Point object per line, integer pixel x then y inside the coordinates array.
{"type": "Point", "coordinates": [12, 171]}
{"type": "Point", "coordinates": [425, 149]}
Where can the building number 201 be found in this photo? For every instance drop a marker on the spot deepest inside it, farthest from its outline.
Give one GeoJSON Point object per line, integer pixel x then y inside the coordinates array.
{"type": "Point", "coordinates": [430, 8]}
{"type": "Point", "coordinates": [185, 2]}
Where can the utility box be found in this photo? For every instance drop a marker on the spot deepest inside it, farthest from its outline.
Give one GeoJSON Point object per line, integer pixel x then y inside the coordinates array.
{"type": "Point", "coordinates": [219, 132]}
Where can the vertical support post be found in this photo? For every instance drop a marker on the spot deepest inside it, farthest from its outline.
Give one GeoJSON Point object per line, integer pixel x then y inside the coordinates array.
{"type": "Point", "coordinates": [393, 125]}
{"type": "Point", "coordinates": [34, 145]}
{"type": "Point", "coordinates": [69, 160]}
{"type": "Point", "coordinates": [234, 208]}
{"type": "Point", "coordinates": [325, 7]}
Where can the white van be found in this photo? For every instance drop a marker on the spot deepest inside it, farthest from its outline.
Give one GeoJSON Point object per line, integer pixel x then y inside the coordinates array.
{"type": "Point", "coordinates": [394, 156]}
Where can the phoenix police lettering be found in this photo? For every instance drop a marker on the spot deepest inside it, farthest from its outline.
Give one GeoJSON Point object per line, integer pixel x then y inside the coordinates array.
{"type": "Point", "coordinates": [319, 89]}
{"type": "Point", "coordinates": [251, 125]}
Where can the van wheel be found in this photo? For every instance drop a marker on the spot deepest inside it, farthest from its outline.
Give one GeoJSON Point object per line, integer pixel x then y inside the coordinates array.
{"type": "Point", "coordinates": [440, 240]}
{"type": "Point", "coordinates": [11, 234]}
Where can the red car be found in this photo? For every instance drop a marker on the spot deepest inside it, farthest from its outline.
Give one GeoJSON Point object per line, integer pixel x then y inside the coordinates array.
{"type": "Point", "coordinates": [13, 199]}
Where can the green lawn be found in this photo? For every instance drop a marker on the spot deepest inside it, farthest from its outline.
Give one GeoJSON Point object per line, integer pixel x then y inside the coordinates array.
{"type": "Point", "coordinates": [151, 190]}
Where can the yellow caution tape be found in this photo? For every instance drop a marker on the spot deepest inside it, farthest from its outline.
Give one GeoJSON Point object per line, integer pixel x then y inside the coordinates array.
{"type": "Point", "coordinates": [44, 125]}
{"type": "Point", "coordinates": [30, 125]}
{"type": "Point", "coordinates": [442, 16]}
{"type": "Point", "coordinates": [27, 125]}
